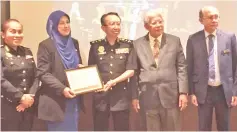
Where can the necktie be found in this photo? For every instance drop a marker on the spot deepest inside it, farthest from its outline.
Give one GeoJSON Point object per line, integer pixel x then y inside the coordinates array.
{"type": "Point", "coordinates": [156, 48]}
{"type": "Point", "coordinates": [211, 58]}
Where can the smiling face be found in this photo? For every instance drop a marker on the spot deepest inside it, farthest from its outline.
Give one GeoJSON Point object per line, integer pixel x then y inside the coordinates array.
{"type": "Point", "coordinates": [155, 26]}
{"type": "Point", "coordinates": [112, 25]}
{"type": "Point", "coordinates": [64, 26]}
{"type": "Point", "coordinates": [12, 34]}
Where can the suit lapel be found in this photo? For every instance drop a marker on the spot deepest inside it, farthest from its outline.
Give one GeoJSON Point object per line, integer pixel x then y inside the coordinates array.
{"type": "Point", "coordinates": [163, 48]}
{"type": "Point", "coordinates": [203, 44]}
{"type": "Point", "coordinates": [147, 50]}
{"type": "Point", "coordinates": [220, 44]}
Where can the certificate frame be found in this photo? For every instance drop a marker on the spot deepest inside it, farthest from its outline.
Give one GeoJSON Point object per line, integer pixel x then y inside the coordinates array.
{"type": "Point", "coordinates": [84, 79]}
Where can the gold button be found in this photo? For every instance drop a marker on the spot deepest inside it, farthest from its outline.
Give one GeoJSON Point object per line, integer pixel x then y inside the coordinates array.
{"type": "Point", "coordinates": [100, 58]}
{"type": "Point", "coordinates": [12, 63]}
{"type": "Point", "coordinates": [22, 63]}
{"type": "Point", "coordinates": [111, 57]}
{"type": "Point", "coordinates": [24, 80]}
{"type": "Point", "coordinates": [124, 88]}
{"type": "Point", "coordinates": [111, 64]}
{"type": "Point", "coordinates": [25, 89]}
{"type": "Point", "coordinates": [112, 50]}
{"type": "Point", "coordinates": [18, 56]}
{"type": "Point", "coordinates": [1, 96]}
{"type": "Point", "coordinates": [111, 72]}
{"type": "Point", "coordinates": [23, 71]}
{"type": "Point", "coordinates": [121, 57]}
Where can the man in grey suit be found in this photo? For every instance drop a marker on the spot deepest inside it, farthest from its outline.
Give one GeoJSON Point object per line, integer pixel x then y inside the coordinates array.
{"type": "Point", "coordinates": [162, 76]}
{"type": "Point", "coordinates": [211, 57]}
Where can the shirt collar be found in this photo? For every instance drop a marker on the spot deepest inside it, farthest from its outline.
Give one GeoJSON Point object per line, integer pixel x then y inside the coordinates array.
{"type": "Point", "coordinates": [206, 33]}
{"type": "Point", "coordinates": [152, 38]}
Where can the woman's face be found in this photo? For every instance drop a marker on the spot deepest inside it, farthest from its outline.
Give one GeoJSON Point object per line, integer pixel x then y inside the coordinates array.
{"type": "Point", "coordinates": [13, 34]}
{"type": "Point", "coordinates": [64, 26]}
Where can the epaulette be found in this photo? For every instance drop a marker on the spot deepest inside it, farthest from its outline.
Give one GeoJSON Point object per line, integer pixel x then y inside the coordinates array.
{"type": "Point", "coordinates": [125, 40]}
{"type": "Point", "coordinates": [96, 41]}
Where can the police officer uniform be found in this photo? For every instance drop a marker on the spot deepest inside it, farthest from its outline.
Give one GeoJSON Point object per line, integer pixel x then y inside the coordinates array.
{"type": "Point", "coordinates": [112, 61]}
{"type": "Point", "coordinates": [18, 77]}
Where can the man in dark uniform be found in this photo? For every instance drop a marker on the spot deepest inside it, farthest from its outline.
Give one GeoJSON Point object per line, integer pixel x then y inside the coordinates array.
{"type": "Point", "coordinates": [115, 60]}
{"type": "Point", "coordinates": [18, 80]}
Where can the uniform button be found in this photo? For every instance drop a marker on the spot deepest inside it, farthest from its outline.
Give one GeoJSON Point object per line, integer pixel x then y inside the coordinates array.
{"type": "Point", "coordinates": [75, 49]}
{"type": "Point", "coordinates": [12, 63]}
{"type": "Point", "coordinates": [124, 88]}
{"type": "Point", "coordinates": [25, 89]}
{"type": "Point", "coordinates": [24, 80]}
{"type": "Point", "coordinates": [100, 58]}
{"type": "Point", "coordinates": [22, 63]}
{"type": "Point", "coordinates": [111, 57]}
{"type": "Point", "coordinates": [111, 72]}
{"type": "Point", "coordinates": [111, 64]}
{"type": "Point", "coordinates": [32, 61]}
{"type": "Point", "coordinates": [23, 71]}
{"type": "Point", "coordinates": [121, 57]}
{"type": "Point", "coordinates": [112, 50]}
{"type": "Point", "coordinates": [18, 56]}
{"type": "Point", "coordinates": [1, 96]}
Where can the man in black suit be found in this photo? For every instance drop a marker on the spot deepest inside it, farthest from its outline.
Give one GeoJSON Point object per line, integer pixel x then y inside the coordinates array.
{"type": "Point", "coordinates": [211, 57]}
{"type": "Point", "coordinates": [114, 58]}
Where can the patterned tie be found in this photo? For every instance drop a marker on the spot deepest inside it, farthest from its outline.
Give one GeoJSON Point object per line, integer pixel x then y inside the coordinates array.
{"type": "Point", "coordinates": [211, 58]}
{"type": "Point", "coordinates": [156, 48]}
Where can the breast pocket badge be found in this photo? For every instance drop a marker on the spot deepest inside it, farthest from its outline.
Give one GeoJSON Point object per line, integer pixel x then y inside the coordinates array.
{"type": "Point", "coordinates": [122, 51]}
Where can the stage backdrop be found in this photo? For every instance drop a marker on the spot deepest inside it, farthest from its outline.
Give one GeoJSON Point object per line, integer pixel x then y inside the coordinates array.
{"type": "Point", "coordinates": [181, 19]}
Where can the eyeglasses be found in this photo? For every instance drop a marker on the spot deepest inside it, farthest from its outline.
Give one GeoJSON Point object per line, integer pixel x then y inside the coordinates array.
{"type": "Point", "coordinates": [216, 17]}
{"type": "Point", "coordinates": [113, 24]}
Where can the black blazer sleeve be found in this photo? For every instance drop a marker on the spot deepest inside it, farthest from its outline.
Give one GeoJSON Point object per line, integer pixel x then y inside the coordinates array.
{"type": "Point", "coordinates": [45, 67]}
{"type": "Point", "coordinates": [189, 56]}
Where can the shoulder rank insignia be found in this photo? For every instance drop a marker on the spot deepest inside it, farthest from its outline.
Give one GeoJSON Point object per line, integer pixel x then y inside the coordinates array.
{"type": "Point", "coordinates": [124, 40]}
{"type": "Point", "coordinates": [96, 41]}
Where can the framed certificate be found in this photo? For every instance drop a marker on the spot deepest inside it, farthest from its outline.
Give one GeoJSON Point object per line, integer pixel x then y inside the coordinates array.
{"type": "Point", "coordinates": [84, 80]}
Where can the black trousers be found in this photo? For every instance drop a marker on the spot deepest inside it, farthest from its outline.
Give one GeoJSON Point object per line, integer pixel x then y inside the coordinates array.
{"type": "Point", "coordinates": [120, 120]}
{"type": "Point", "coordinates": [11, 120]}
{"type": "Point", "coordinates": [215, 100]}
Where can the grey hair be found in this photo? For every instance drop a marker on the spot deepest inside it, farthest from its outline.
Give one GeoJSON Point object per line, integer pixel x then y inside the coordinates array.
{"type": "Point", "coordinates": [159, 12]}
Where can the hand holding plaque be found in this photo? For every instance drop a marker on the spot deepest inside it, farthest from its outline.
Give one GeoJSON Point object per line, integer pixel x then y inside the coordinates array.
{"type": "Point", "coordinates": [84, 79]}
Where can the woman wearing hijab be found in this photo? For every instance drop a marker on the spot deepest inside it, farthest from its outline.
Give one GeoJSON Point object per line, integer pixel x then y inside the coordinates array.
{"type": "Point", "coordinates": [19, 81]}
{"type": "Point", "coordinates": [58, 104]}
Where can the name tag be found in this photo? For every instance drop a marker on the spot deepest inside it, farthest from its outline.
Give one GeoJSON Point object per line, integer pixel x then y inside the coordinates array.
{"type": "Point", "coordinates": [122, 50]}
{"type": "Point", "coordinates": [29, 56]}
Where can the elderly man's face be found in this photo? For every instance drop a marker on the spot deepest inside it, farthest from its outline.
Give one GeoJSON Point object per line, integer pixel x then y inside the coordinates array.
{"type": "Point", "coordinates": [155, 26]}
{"type": "Point", "coordinates": [210, 19]}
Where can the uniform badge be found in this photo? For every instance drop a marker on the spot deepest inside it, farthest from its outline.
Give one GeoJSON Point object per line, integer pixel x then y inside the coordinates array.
{"type": "Point", "coordinates": [101, 50]}
{"type": "Point", "coordinates": [29, 56]}
{"type": "Point", "coordinates": [8, 54]}
{"type": "Point", "coordinates": [122, 51]}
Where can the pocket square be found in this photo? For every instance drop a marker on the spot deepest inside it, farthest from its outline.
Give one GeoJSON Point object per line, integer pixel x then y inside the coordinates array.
{"type": "Point", "coordinates": [226, 51]}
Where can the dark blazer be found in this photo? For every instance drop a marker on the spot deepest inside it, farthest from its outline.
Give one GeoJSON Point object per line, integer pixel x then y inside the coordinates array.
{"type": "Point", "coordinates": [51, 71]}
{"type": "Point", "coordinates": [197, 58]}
{"type": "Point", "coordinates": [167, 79]}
